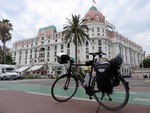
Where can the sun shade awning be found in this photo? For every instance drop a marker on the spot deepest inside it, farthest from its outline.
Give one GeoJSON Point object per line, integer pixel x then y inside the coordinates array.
{"type": "Point", "coordinates": [22, 69]}
{"type": "Point", "coordinates": [34, 68]}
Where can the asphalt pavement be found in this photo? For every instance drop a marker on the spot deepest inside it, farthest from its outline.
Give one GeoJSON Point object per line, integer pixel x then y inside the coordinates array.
{"type": "Point", "coordinates": [33, 96]}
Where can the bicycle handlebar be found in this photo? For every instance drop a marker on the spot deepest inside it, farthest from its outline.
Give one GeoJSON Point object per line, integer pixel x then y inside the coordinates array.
{"type": "Point", "coordinates": [97, 53]}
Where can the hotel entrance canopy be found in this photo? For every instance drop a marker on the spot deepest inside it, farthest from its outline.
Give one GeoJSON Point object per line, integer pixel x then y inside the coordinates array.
{"type": "Point", "coordinates": [34, 68]}
{"type": "Point", "coordinates": [22, 69]}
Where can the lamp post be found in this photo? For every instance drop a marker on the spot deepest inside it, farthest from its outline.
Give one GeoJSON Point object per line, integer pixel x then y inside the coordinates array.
{"type": "Point", "coordinates": [143, 64]}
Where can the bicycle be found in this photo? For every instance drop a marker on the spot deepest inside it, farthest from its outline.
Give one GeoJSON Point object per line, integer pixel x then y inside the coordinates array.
{"type": "Point", "coordinates": [68, 83]}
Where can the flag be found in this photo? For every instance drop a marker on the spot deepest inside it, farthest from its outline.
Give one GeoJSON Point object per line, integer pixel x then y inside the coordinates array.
{"type": "Point", "coordinates": [94, 2]}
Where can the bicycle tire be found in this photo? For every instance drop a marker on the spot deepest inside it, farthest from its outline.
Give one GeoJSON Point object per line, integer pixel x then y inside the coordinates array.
{"type": "Point", "coordinates": [120, 95]}
{"type": "Point", "coordinates": [61, 93]}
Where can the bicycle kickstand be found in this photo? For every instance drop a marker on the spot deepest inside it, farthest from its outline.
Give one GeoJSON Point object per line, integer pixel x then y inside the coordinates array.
{"type": "Point", "coordinates": [98, 108]}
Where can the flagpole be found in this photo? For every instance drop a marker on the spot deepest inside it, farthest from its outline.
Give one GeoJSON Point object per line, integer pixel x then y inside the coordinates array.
{"type": "Point", "coordinates": [93, 2]}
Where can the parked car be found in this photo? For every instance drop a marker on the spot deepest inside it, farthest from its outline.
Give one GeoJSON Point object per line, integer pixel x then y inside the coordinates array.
{"type": "Point", "coordinates": [19, 76]}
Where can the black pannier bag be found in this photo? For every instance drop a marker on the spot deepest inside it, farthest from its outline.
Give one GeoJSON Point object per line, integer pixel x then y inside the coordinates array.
{"type": "Point", "coordinates": [103, 77]}
{"type": "Point", "coordinates": [115, 64]}
{"type": "Point", "coordinates": [106, 74]}
{"type": "Point", "coordinates": [62, 58]}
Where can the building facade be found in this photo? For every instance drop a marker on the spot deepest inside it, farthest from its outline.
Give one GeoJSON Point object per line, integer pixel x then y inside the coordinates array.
{"type": "Point", "coordinates": [42, 49]}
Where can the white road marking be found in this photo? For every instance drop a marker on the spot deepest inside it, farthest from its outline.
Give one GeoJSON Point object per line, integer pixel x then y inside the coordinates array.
{"type": "Point", "coordinates": [61, 96]}
{"type": "Point", "coordinates": [142, 99]}
{"type": "Point", "coordinates": [3, 89]}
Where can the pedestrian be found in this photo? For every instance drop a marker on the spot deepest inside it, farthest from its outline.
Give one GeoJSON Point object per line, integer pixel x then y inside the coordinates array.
{"type": "Point", "coordinates": [49, 75]}
{"type": "Point", "coordinates": [145, 76]}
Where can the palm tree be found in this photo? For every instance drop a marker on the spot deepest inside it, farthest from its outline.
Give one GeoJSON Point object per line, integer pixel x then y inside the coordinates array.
{"type": "Point", "coordinates": [1, 55]}
{"type": "Point", "coordinates": [5, 35]}
{"type": "Point", "coordinates": [75, 30]}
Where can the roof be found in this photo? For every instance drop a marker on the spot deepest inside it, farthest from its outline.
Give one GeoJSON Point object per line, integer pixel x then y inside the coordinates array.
{"type": "Point", "coordinates": [48, 27]}
{"type": "Point", "coordinates": [94, 15]}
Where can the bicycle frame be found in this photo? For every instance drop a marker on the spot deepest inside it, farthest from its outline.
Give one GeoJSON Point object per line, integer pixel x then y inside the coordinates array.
{"type": "Point", "coordinates": [70, 72]}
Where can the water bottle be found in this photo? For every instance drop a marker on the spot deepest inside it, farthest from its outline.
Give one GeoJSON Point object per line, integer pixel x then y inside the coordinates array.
{"type": "Point", "coordinates": [86, 79]}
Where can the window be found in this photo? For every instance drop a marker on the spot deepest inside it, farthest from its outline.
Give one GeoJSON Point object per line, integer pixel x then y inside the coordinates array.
{"type": "Point", "coordinates": [99, 49]}
{"type": "Point", "coordinates": [98, 29]}
{"type": "Point", "coordinates": [35, 55]}
{"type": "Point", "coordinates": [87, 56]}
{"type": "Point", "coordinates": [97, 15]}
{"type": "Point", "coordinates": [92, 19]}
{"type": "Point", "coordinates": [103, 30]}
{"type": "Point", "coordinates": [48, 54]}
{"type": "Point", "coordinates": [62, 47]}
{"type": "Point", "coordinates": [55, 59]}
{"type": "Point", "coordinates": [48, 48]}
{"type": "Point", "coordinates": [99, 42]}
{"type": "Point", "coordinates": [68, 51]}
{"type": "Point", "coordinates": [87, 50]}
{"type": "Point", "coordinates": [35, 50]}
{"type": "Point", "coordinates": [86, 43]}
{"type": "Point", "coordinates": [92, 29]}
{"type": "Point", "coordinates": [42, 38]}
{"type": "Point", "coordinates": [55, 47]}
{"type": "Point", "coordinates": [68, 45]}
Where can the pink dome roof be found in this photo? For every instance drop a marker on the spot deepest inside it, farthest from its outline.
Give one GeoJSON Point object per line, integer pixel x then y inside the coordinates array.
{"type": "Point", "coordinates": [93, 15]}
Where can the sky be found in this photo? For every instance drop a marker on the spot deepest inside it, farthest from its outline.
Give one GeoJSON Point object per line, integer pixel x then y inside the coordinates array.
{"type": "Point", "coordinates": [130, 17]}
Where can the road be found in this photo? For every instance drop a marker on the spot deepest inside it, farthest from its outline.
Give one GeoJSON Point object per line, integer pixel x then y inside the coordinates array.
{"type": "Point", "coordinates": [33, 96]}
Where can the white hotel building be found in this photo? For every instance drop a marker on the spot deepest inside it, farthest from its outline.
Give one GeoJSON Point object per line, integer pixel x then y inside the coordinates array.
{"type": "Point", "coordinates": [39, 52]}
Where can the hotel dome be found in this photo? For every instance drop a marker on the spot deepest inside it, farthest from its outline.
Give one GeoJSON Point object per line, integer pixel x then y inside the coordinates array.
{"type": "Point", "coordinates": [93, 15]}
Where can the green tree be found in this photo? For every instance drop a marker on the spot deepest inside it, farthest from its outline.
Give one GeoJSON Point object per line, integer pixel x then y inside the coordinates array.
{"type": "Point", "coordinates": [5, 35]}
{"type": "Point", "coordinates": [1, 55]}
{"type": "Point", "coordinates": [146, 63]}
{"type": "Point", "coordinates": [9, 60]}
{"type": "Point", "coordinates": [75, 30]}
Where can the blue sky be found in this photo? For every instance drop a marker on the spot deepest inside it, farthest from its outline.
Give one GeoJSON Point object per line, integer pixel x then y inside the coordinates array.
{"type": "Point", "coordinates": [131, 17]}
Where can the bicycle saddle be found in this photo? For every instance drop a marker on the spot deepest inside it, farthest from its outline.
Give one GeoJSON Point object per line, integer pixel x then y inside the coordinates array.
{"type": "Point", "coordinates": [97, 53]}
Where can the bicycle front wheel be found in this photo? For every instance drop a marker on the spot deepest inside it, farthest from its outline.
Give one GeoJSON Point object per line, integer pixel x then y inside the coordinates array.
{"type": "Point", "coordinates": [119, 97]}
{"type": "Point", "coordinates": [64, 88]}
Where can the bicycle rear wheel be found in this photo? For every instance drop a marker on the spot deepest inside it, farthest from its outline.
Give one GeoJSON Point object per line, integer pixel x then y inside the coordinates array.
{"type": "Point", "coordinates": [119, 96]}
{"type": "Point", "coordinates": [64, 88]}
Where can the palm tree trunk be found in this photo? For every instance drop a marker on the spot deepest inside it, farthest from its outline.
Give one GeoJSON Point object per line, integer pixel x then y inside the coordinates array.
{"type": "Point", "coordinates": [76, 56]}
{"type": "Point", "coordinates": [4, 51]}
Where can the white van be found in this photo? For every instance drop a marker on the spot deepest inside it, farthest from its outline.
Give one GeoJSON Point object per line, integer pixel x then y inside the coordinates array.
{"type": "Point", "coordinates": [9, 72]}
